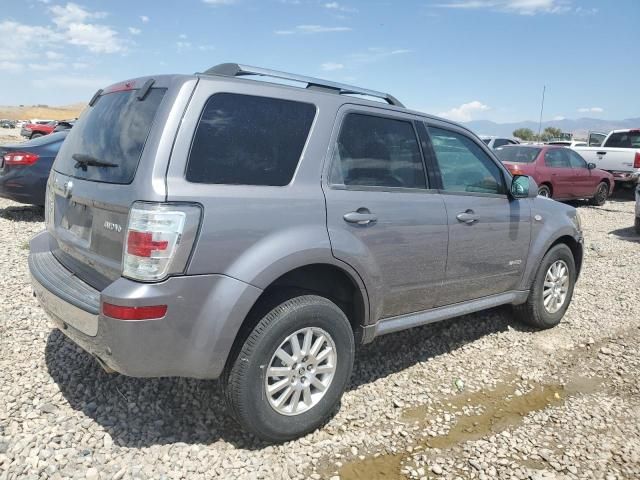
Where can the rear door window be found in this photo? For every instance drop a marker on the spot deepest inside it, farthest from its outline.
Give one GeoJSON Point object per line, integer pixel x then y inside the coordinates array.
{"type": "Point", "coordinates": [377, 151]}
{"type": "Point", "coordinates": [557, 158]}
{"type": "Point", "coordinates": [114, 131]}
{"type": "Point", "coordinates": [249, 140]}
{"type": "Point", "coordinates": [576, 160]}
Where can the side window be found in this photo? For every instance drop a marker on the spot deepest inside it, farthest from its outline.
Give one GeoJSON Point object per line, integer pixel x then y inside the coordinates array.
{"type": "Point", "coordinates": [464, 166]}
{"type": "Point", "coordinates": [377, 152]}
{"type": "Point", "coordinates": [557, 158]}
{"type": "Point", "coordinates": [576, 160]}
{"type": "Point", "coordinates": [249, 140]}
{"type": "Point", "coordinates": [500, 142]}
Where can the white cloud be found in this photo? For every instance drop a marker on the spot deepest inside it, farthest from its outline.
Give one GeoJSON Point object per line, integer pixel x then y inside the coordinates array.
{"type": "Point", "coordinates": [72, 21]}
{"type": "Point", "coordinates": [591, 110]}
{"type": "Point", "coordinates": [72, 13]}
{"type": "Point", "coordinates": [307, 29]}
{"type": "Point", "coordinates": [26, 40]}
{"type": "Point", "coordinates": [183, 45]}
{"type": "Point", "coordinates": [339, 7]}
{"type": "Point", "coordinates": [219, 2]}
{"type": "Point", "coordinates": [558, 118]}
{"type": "Point", "coordinates": [134, 31]}
{"type": "Point", "coordinates": [144, 19]}
{"type": "Point", "coordinates": [465, 112]}
{"type": "Point", "coordinates": [46, 67]}
{"type": "Point", "coordinates": [183, 36]}
{"type": "Point", "coordinates": [521, 7]}
{"type": "Point", "coordinates": [375, 54]}
{"type": "Point", "coordinates": [331, 66]}
{"type": "Point", "coordinates": [96, 38]}
{"type": "Point", "coordinates": [11, 67]}
{"type": "Point", "coordinates": [66, 81]}
{"type": "Point", "coordinates": [206, 48]}
{"type": "Point", "coordinates": [53, 55]}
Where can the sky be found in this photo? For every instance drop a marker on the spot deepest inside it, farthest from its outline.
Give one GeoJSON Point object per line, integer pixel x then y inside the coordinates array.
{"type": "Point", "coordinates": [462, 59]}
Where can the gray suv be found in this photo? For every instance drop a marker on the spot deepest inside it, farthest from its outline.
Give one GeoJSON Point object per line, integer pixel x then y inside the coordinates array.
{"type": "Point", "coordinates": [211, 225]}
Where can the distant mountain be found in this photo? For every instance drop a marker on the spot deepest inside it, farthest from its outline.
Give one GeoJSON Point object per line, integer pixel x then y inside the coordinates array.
{"type": "Point", "coordinates": [579, 127]}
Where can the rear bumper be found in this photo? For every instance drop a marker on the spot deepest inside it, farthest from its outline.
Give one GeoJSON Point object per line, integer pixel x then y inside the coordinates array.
{"type": "Point", "coordinates": [193, 339]}
{"type": "Point", "coordinates": [632, 177]}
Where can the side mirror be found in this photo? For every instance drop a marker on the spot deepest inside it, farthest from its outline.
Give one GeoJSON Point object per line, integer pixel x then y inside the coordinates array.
{"type": "Point", "coordinates": [523, 186]}
{"type": "Point", "coordinates": [591, 165]}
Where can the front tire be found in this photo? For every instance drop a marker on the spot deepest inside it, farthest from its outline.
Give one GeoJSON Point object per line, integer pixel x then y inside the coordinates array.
{"type": "Point", "coordinates": [291, 370]}
{"type": "Point", "coordinates": [551, 291]}
{"type": "Point", "coordinates": [544, 191]}
{"type": "Point", "coordinates": [601, 194]}
{"type": "Point", "coordinates": [36, 135]}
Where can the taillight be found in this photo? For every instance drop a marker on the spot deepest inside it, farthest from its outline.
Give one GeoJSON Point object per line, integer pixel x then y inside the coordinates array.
{"type": "Point", "coordinates": [159, 240]}
{"type": "Point", "coordinates": [636, 160]}
{"type": "Point", "coordinates": [20, 158]}
{"type": "Point", "coordinates": [122, 312]}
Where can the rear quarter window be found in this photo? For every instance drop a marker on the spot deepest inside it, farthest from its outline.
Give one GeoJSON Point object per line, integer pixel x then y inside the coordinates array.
{"type": "Point", "coordinates": [249, 140]}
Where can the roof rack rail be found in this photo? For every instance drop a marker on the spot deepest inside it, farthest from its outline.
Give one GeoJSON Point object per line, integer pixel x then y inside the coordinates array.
{"type": "Point", "coordinates": [238, 70]}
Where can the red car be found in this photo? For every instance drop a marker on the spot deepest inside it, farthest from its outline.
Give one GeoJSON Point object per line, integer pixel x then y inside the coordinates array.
{"type": "Point", "coordinates": [35, 130]}
{"type": "Point", "coordinates": [560, 173]}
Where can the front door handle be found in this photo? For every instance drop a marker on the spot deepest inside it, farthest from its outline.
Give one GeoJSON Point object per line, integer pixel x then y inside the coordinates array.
{"type": "Point", "coordinates": [601, 153]}
{"type": "Point", "coordinates": [467, 217]}
{"type": "Point", "coordinates": [362, 216]}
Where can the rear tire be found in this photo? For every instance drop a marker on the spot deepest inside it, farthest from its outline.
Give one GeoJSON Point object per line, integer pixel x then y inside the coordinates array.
{"type": "Point", "coordinates": [535, 312]}
{"type": "Point", "coordinates": [36, 135]}
{"type": "Point", "coordinates": [257, 379]}
{"type": "Point", "coordinates": [601, 194]}
{"type": "Point", "coordinates": [544, 191]}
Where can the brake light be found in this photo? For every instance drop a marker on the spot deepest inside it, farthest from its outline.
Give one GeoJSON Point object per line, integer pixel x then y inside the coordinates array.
{"type": "Point", "coordinates": [20, 158]}
{"type": "Point", "coordinates": [636, 160]}
{"type": "Point", "coordinates": [159, 240]}
{"type": "Point", "coordinates": [121, 312]}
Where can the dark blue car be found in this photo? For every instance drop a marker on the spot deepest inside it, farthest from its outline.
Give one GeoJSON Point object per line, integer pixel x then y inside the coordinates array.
{"type": "Point", "coordinates": [24, 168]}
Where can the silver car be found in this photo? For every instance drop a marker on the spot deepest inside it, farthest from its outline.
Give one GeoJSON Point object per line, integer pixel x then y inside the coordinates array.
{"type": "Point", "coordinates": [216, 225]}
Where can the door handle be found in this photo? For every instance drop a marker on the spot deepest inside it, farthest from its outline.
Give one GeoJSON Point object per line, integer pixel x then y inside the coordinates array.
{"type": "Point", "coordinates": [467, 217]}
{"type": "Point", "coordinates": [601, 153]}
{"type": "Point", "coordinates": [362, 216]}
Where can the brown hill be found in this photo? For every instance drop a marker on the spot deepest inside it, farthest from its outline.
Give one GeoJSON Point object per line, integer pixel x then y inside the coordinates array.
{"type": "Point", "coordinates": [44, 112]}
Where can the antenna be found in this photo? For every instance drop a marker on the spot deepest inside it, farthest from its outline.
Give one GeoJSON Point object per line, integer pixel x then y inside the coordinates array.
{"type": "Point", "coordinates": [544, 87]}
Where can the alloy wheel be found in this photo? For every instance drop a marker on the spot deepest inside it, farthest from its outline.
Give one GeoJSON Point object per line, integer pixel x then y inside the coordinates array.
{"type": "Point", "coordinates": [300, 371]}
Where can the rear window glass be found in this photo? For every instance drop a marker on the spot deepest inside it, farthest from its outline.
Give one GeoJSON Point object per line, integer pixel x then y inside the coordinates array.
{"type": "Point", "coordinates": [249, 140]}
{"type": "Point", "coordinates": [517, 154]}
{"type": "Point", "coordinates": [113, 131]}
{"type": "Point", "coordinates": [624, 140]}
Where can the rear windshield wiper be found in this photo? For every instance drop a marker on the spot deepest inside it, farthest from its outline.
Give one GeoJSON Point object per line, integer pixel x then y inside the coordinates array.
{"type": "Point", "coordinates": [82, 161]}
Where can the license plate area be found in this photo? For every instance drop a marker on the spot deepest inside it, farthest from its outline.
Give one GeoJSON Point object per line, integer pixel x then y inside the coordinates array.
{"type": "Point", "coordinates": [77, 219]}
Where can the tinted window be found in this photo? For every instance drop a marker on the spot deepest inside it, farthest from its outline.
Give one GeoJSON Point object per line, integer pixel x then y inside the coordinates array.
{"type": "Point", "coordinates": [249, 140]}
{"type": "Point", "coordinates": [464, 166]}
{"type": "Point", "coordinates": [624, 140]}
{"type": "Point", "coordinates": [596, 139]}
{"type": "Point", "coordinates": [500, 142]}
{"type": "Point", "coordinates": [557, 158]}
{"type": "Point", "coordinates": [576, 160]}
{"type": "Point", "coordinates": [114, 130]}
{"type": "Point", "coordinates": [378, 152]}
{"type": "Point", "coordinates": [518, 154]}
{"type": "Point", "coordinates": [486, 141]}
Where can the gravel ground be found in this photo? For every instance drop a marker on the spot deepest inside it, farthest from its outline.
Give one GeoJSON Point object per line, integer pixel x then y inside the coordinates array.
{"type": "Point", "coordinates": [477, 397]}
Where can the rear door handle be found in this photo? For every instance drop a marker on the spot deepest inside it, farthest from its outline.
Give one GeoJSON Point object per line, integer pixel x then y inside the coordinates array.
{"type": "Point", "coordinates": [601, 153]}
{"type": "Point", "coordinates": [362, 216]}
{"type": "Point", "coordinates": [467, 217]}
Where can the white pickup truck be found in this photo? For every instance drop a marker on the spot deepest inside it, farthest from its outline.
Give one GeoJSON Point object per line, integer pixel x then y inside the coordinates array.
{"type": "Point", "coordinates": [618, 153]}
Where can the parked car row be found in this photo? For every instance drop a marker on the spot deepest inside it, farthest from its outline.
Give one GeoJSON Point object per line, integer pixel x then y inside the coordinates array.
{"type": "Point", "coordinates": [40, 129]}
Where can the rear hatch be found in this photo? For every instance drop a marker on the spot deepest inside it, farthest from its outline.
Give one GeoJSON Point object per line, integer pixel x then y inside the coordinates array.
{"type": "Point", "coordinates": [113, 156]}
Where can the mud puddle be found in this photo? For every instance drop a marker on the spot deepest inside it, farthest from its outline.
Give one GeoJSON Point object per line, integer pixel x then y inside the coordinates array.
{"type": "Point", "coordinates": [477, 415]}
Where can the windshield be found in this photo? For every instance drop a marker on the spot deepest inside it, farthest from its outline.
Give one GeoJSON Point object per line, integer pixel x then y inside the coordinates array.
{"type": "Point", "coordinates": [517, 154]}
{"type": "Point", "coordinates": [114, 130]}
